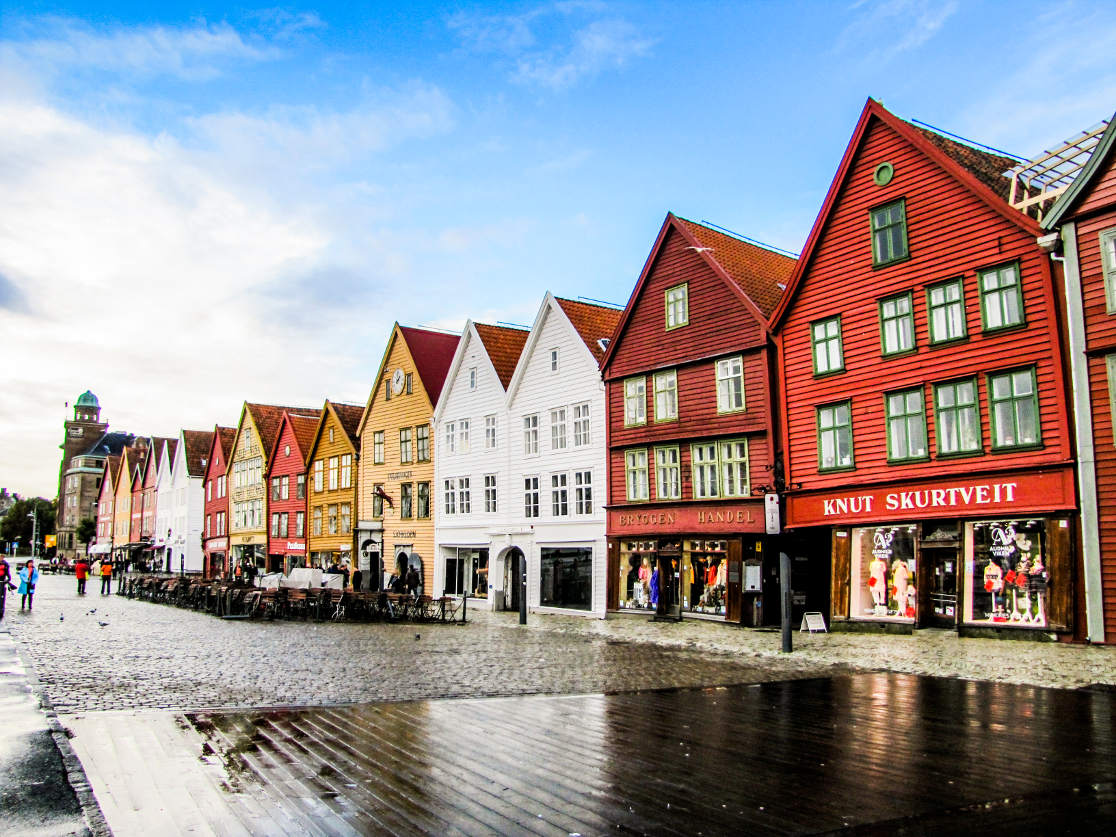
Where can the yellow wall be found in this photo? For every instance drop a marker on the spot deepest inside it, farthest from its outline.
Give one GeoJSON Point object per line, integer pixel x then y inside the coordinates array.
{"type": "Point", "coordinates": [402, 410]}
{"type": "Point", "coordinates": [246, 447]}
{"type": "Point", "coordinates": [324, 449]}
{"type": "Point", "coordinates": [122, 503]}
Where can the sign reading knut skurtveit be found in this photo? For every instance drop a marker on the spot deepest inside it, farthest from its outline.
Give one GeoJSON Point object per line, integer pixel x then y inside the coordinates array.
{"type": "Point", "coordinates": [1017, 493]}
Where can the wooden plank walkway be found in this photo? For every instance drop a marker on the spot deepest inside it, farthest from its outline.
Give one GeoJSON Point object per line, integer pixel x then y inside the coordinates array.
{"type": "Point", "coordinates": [868, 754]}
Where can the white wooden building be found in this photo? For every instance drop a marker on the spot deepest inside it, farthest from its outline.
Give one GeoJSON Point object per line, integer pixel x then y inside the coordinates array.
{"type": "Point", "coordinates": [187, 515]}
{"type": "Point", "coordinates": [164, 500]}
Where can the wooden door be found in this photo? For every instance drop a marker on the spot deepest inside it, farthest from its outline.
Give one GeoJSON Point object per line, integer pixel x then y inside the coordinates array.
{"type": "Point", "coordinates": [734, 598]}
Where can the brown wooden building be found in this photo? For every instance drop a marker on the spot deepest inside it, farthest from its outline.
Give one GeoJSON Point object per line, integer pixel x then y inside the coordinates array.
{"type": "Point", "coordinates": [929, 450]}
{"type": "Point", "coordinates": [691, 429]}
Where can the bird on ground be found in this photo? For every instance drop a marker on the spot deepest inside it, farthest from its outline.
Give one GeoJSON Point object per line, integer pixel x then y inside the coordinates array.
{"type": "Point", "coordinates": [61, 617]}
{"type": "Point", "coordinates": [102, 624]}
{"type": "Point", "coordinates": [90, 613]}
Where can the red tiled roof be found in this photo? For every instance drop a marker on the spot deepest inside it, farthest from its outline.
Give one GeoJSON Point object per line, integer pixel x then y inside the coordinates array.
{"type": "Point", "coordinates": [268, 417]}
{"type": "Point", "coordinates": [432, 352]}
{"type": "Point", "coordinates": [112, 469]}
{"type": "Point", "coordinates": [504, 346]}
{"type": "Point", "coordinates": [228, 436]}
{"type": "Point", "coordinates": [172, 448]}
{"type": "Point", "coordinates": [198, 443]}
{"type": "Point", "coordinates": [985, 166]}
{"type": "Point", "coordinates": [759, 272]}
{"type": "Point", "coordinates": [304, 426]}
{"type": "Point", "coordinates": [349, 416]}
{"type": "Point", "coordinates": [592, 322]}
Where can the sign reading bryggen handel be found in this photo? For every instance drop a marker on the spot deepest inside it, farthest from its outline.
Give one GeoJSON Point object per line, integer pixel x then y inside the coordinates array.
{"type": "Point", "coordinates": [698, 518]}
{"type": "Point", "coordinates": [1021, 493]}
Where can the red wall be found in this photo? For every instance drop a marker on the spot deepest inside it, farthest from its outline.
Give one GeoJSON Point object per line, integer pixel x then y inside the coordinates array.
{"type": "Point", "coordinates": [291, 466]}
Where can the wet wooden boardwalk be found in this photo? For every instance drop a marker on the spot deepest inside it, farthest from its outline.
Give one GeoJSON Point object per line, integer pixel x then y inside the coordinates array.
{"type": "Point", "coordinates": [874, 753]}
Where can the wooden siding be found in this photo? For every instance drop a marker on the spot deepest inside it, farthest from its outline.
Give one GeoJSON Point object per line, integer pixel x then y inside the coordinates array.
{"type": "Point", "coordinates": [1100, 326]}
{"type": "Point", "coordinates": [719, 322]}
{"type": "Point", "coordinates": [289, 465]}
{"type": "Point", "coordinates": [247, 448]}
{"type": "Point", "coordinates": [122, 501]}
{"type": "Point", "coordinates": [1102, 191]}
{"type": "Point", "coordinates": [217, 466]}
{"type": "Point", "coordinates": [322, 451]}
{"type": "Point", "coordinates": [951, 234]}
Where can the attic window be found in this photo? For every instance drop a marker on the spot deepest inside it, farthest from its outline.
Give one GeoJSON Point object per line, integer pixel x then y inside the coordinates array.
{"type": "Point", "coordinates": [553, 360]}
{"type": "Point", "coordinates": [473, 377]}
{"type": "Point", "coordinates": [286, 450]}
{"type": "Point", "coordinates": [677, 307]}
{"type": "Point", "coordinates": [204, 461]}
{"type": "Point", "coordinates": [603, 343]}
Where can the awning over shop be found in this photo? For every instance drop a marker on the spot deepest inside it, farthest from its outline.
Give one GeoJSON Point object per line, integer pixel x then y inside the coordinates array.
{"type": "Point", "coordinates": [100, 548]}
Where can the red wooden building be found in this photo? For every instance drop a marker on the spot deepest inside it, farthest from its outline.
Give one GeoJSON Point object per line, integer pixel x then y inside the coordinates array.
{"type": "Point", "coordinates": [1085, 216]}
{"type": "Point", "coordinates": [691, 429]}
{"type": "Point", "coordinates": [929, 451]}
{"type": "Point", "coordinates": [215, 529]}
{"type": "Point", "coordinates": [286, 485]}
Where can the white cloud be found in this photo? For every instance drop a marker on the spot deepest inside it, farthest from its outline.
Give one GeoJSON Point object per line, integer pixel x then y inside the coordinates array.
{"type": "Point", "coordinates": [887, 28]}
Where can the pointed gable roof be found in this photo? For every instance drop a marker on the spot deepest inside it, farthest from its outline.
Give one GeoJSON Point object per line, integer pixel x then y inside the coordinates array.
{"type": "Point", "coordinates": [226, 436]}
{"type": "Point", "coordinates": [110, 444]}
{"type": "Point", "coordinates": [267, 418]}
{"type": "Point", "coordinates": [504, 346]}
{"type": "Point", "coordinates": [197, 445]}
{"type": "Point", "coordinates": [304, 428]}
{"type": "Point", "coordinates": [112, 470]}
{"type": "Point", "coordinates": [347, 415]}
{"type": "Point", "coordinates": [432, 352]}
{"type": "Point", "coordinates": [169, 447]}
{"type": "Point", "coordinates": [593, 323]}
{"type": "Point", "coordinates": [970, 167]}
{"type": "Point", "coordinates": [1105, 149]}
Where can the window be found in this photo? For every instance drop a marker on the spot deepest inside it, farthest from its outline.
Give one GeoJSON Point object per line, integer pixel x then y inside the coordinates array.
{"type": "Point", "coordinates": [897, 324]}
{"type": "Point", "coordinates": [553, 360]}
{"type": "Point", "coordinates": [566, 577]}
{"type": "Point", "coordinates": [221, 519]}
{"type": "Point", "coordinates": [530, 435]}
{"type": "Point", "coordinates": [580, 425]}
{"type": "Point", "coordinates": [387, 389]}
{"type": "Point", "coordinates": [889, 233]}
{"type": "Point", "coordinates": [208, 521]}
{"type": "Point", "coordinates": [826, 337]}
{"type": "Point", "coordinates": [472, 377]}
{"type": "Point", "coordinates": [1110, 366]}
{"type": "Point", "coordinates": [319, 475]}
{"type": "Point", "coordinates": [559, 495]}
{"type": "Point", "coordinates": [331, 435]}
{"type": "Point", "coordinates": [490, 432]}
{"type": "Point", "coordinates": [422, 500]}
{"type": "Point", "coordinates": [300, 524]}
{"type": "Point", "coordinates": [347, 471]}
{"type": "Point", "coordinates": [208, 490]}
{"type": "Point", "coordinates": [490, 493]}
{"type": "Point", "coordinates": [333, 473]}
{"type": "Point", "coordinates": [666, 396]}
{"type": "Point", "coordinates": [275, 488]}
{"type": "Point", "coordinates": [317, 520]}
{"type": "Point", "coordinates": [1108, 265]}
{"type": "Point", "coordinates": [906, 425]}
{"type": "Point", "coordinates": [463, 504]}
{"type": "Point", "coordinates": [635, 467]}
{"type": "Point", "coordinates": [404, 445]}
{"type": "Point", "coordinates": [409, 385]}
{"type": "Point", "coordinates": [284, 520]}
{"type": "Point", "coordinates": [406, 494]}
{"type": "Point", "coordinates": [300, 487]}
{"type": "Point", "coordinates": [422, 442]}
{"type": "Point", "coordinates": [451, 437]}
{"type": "Point", "coordinates": [284, 487]}
{"type": "Point", "coordinates": [668, 474]}
{"type": "Point", "coordinates": [531, 496]}
{"type": "Point", "coordinates": [222, 486]}
{"type": "Point", "coordinates": [945, 309]}
{"type": "Point", "coordinates": [835, 437]}
{"type": "Point", "coordinates": [558, 429]}
{"type": "Point", "coordinates": [346, 519]}
{"type": "Point", "coordinates": [378, 448]}
{"type": "Point", "coordinates": [1001, 298]}
{"type": "Point", "coordinates": [730, 384]}
{"type": "Point", "coordinates": [733, 457]}
{"type": "Point", "coordinates": [463, 435]}
{"type": "Point", "coordinates": [378, 500]}
{"type": "Point", "coordinates": [449, 497]}
{"type": "Point", "coordinates": [583, 492]}
{"type": "Point", "coordinates": [677, 307]}
{"type": "Point", "coordinates": [704, 463]}
{"type": "Point", "coordinates": [635, 401]}
{"type": "Point", "coordinates": [333, 518]}
{"type": "Point", "coordinates": [955, 409]}
{"type": "Point", "coordinates": [1014, 409]}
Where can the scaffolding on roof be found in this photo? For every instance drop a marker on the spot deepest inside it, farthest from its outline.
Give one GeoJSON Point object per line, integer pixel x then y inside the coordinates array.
{"type": "Point", "coordinates": [1042, 179]}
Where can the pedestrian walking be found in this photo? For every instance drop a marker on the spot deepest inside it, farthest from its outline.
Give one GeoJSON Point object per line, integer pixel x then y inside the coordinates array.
{"type": "Point", "coordinates": [5, 583]}
{"type": "Point", "coordinates": [28, 578]}
{"type": "Point", "coordinates": [106, 578]}
{"type": "Point", "coordinates": [81, 573]}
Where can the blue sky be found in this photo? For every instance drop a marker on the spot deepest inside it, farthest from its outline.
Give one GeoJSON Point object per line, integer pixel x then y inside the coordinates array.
{"type": "Point", "coordinates": [207, 204]}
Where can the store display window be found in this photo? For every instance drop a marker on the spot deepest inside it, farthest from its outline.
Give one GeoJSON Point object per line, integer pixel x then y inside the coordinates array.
{"type": "Point", "coordinates": [704, 570]}
{"type": "Point", "coordinates": [638, 569]}
{"type": "Point", "coordinates": [1005, 573]}
{"type": "Point", "coordinates": [882, 573]}
{"type": "Point", "coordinates": [467, 572]}
{"type": "Point", "coordinates": [566, 577]}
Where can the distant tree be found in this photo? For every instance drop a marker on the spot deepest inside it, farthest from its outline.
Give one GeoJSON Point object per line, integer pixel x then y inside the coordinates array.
{"type": "Point", "coordinates": [86, 530]}
{"type": "Point", "coordinates": [18, 523]}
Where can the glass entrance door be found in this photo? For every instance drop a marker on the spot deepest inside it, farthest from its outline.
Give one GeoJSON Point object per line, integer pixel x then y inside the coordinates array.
{"type": "Point", "coordinates": [938, 600]}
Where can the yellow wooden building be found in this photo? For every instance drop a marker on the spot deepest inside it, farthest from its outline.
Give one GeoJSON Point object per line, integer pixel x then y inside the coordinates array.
{"type": "Point", "coordinates": [332, 478]}
{"type": "Point", "coordinates": [396, 530]}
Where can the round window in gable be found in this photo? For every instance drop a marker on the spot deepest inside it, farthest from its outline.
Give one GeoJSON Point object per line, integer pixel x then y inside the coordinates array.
{"type": "Point", "coordinates": [286, 450]}
{"type": "Point", "coordinates": [883, 174]}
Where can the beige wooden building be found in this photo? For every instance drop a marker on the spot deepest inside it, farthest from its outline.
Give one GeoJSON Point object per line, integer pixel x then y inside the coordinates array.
{"type": "Point", "coordinates": [332, 478]}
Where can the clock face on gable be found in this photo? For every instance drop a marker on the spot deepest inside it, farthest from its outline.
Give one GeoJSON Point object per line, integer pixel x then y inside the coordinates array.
{"type": "Point", "coordinates": [397, 381]}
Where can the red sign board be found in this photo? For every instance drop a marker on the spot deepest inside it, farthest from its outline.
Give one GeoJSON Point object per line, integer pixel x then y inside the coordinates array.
{"type": "Point", "coordinates": [1025, 492]}
{"type": "Point", "coordinates": [698, 519]}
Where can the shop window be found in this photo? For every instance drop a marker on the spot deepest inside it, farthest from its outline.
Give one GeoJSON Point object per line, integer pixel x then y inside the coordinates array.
{"type": "Point", "coordinates": [958, 417]}
{"type": "Point", "coordinates": [906, 425]}
{"type": "Point", "coordinates": [1001, 297]}
{"type": "Point", "coordinates": [835, 448]}
{"type": "Point", "coordinates": [566, 578]}
{"type": "Point", "coordinates": [639, 576]}
{"type": "Point", "coordinates": [1006, 576]}
{"type": "Point", "coordinates": [828, 354]}
{"type": "Point", "coordinates": [945, 310]}
{"type": "Point", "coordinates": [897, 324]}
{"type": "Point", "coordinates": [730, 384]}
{"type": "Point", "coordinates": [530, 435]}
{"type": "Point", "coordinates": [558, 429]}
{"type": "Point", "coordinates": [635, 401]}
{"type": "Point", "coordinates": [668, 474]}
{"type": "Point", "coordinates": [882, 572]}
{"type": "Point", "coordinates": [703, 576]}
{"type": "Point", "coordinates": [1013, 403]}
{"type": "Point", "coordinates": [530, 496]}
{"type": "Point", "coordinates": [583, 492]}
{"type": "Point", "coordinates": [635, 468]}
{"type": "Point", "coordinates": [467, 572]}
{"type": "Point", "coordinates": [677, 306]}
{"type": "Point", "coordinates": [1108, 265]}
{"type": "Point", "coordinates": [889, 233]}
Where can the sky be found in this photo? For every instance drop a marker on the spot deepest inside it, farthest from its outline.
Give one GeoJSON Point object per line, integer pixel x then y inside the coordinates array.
{"type": "Point", "coordinates": [202, 205]}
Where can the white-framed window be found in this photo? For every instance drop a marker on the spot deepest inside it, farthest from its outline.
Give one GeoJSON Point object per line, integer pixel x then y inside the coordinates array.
{"type": "Point", "coordinates": [463, 503]}
{"type": "Point", "coordinates": [668, 473]}
{"type": "Point", "coordinates": [490, 432]}
{"type": "Point", "coordinates": [558, 428]}
{"type": "Point", "coordinates": [333, 465]}
{"type": "Point", "coordinates": [553, 360]}
{"type": "Point", "coordinates": [635, 401]}
{"type": "Point", "coordinates": [1108, 265]}
{"type": "Point", "coordinates": [208, 491]}
{"type": "Point", "coordinates": [451, 437]}
{"type": "Point", "coordinates": [472, 377]}
{"type": "Point", "coordinates": [346, 520]}
{"type": "Point", "coordinates": [704, 464]}
{"type": "Point", "coordinates": [559, 495]}
{"type": "Point", "coordinates": [730, 384]}
{"type": "Point", "coordinates": [635, 470]}
{"type": "Point", "coordinates": [490, 493]}
{"type": "Point", "coordinates": [378, 447]}
{"type": "Point", "coordinates": [333, 518]}
{"type": "Point", "coordinates": [422, 442]}
{"type": "Point", "coordinates": [449, 494]}
{"type": "Point", "coordinates": [583, 492]}
{"type": "Point", "coordinates": [666, 395]}
{"type": "Point", "coordinates": [530, 496]}
{"type": "Point", "coordinates": [346, 473]}
{"type": "Point", "coordinates": [581, 424]}
{"type": "Point", "coordinates": [531, 435]}
{"type": "Point", "coordinates": [720, 469]}
{"type": "Point", "coordinates": [463, 435]}
{"type": "Point", "coordinates": [404, 445]}
{"type": "Point", "coordinates": [319, 475]}
{"type": "Point", "coordinates": [677, 306]}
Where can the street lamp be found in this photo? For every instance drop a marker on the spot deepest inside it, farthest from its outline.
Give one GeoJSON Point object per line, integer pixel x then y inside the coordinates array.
{"type": "Point", "coordinates": [34, 515]}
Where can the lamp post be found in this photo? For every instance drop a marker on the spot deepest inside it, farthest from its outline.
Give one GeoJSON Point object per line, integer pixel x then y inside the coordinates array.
{"type": "Point", "coordinates": [34, 515]}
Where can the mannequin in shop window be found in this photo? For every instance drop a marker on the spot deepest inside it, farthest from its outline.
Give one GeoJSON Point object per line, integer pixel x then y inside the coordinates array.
{"type": "Point", "coordinates": [654, 587]}
{"type": "Point", "coordinates": [994, 584]}
{"type": "Point", "coordinates": [900, 579]}
{"type": "Point", "coordinates": [697, 581]}
{"type": "Point", "coordinates": [643, 590]}
{"type": "Point", "coordinates": [877, 584]}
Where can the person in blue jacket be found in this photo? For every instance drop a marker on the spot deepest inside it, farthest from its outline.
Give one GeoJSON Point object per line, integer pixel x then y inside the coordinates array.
{"type": "Point", "coordinates": [28, 578]}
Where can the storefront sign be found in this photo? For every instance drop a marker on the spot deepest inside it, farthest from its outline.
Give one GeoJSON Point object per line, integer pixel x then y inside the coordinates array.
{"type": "Point", "coordinates": [771, 513]}
{"type": "Point", "coordinates": [1015, 494]}
{"type": "Point", "coordinates": [292, 546]}
{"type": "Point", "coordinates": [410, 534]}
{"type": "Point", "coordinates": [217, 543]}
{"type": "Point", "coordinates": [696, 519]}
{"type": "Point", "coordinates": [400, 475]}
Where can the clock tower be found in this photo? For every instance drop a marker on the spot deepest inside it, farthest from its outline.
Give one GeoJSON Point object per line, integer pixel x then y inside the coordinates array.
{"type": "Point", "coordinates": [82, 432]}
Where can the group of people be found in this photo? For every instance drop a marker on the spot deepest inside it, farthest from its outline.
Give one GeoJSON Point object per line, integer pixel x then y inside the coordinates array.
{"type": "Point", "coordinates": [28, 577]}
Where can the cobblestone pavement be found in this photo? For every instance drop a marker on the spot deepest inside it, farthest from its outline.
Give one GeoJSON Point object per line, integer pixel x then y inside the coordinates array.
{"type": "Point", "coordinates": [104, 653]}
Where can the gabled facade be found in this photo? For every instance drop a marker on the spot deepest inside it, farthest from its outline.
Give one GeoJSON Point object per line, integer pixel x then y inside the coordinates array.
{"type": "Point", "coordinates": [691, 429]}
{"type": "Point", "coordinates": [286, 479]}
{"type": "Point", "coordinates": [162, 453]}
{"type": "Point", "coordinates": [125, 518]}
{"type": "Point", "coordinates": [164, 500]}
{"type": "Point", "coordinates": [184, 535]}
{"type": "Point", "coordinates": [215, 533]}
{"type": "Point", "coordinates": [106, 508]}
{"type": "Point", "coordinates": [470, 426]}
{"type": "Point", "coordinates": [332, 491]}
{"type": "Point", "coordinates": [396, 530]}
{"type": "Point", "coordinates": [924, 404]}
{"type": "Point", "coordinates": [1085, 220]}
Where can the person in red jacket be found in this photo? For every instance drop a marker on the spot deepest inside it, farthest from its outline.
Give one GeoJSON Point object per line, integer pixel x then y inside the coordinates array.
{"type": "Point", "coordinates": [81, 573]}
